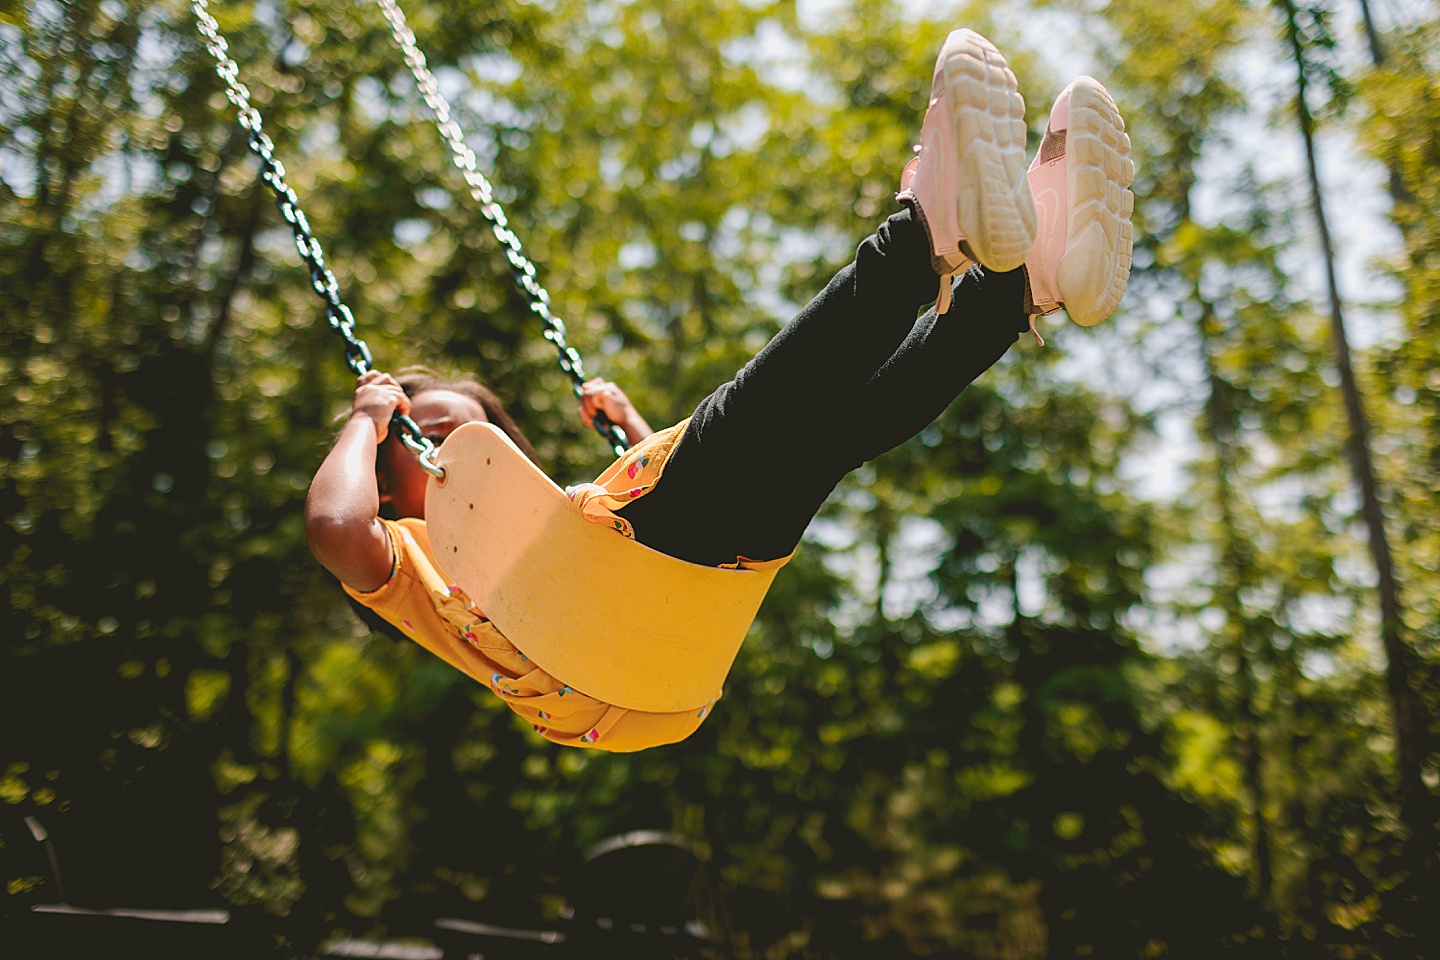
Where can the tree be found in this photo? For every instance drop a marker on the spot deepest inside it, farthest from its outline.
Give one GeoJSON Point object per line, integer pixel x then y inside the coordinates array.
{"type": "Point", "coordinates": [949, 730]}
{"type": "Point", "coordinates": [1412, 725]}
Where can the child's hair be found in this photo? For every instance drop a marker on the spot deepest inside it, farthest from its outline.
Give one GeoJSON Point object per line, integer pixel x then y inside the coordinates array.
{"type": "Point", "coordinates": [416, 380]}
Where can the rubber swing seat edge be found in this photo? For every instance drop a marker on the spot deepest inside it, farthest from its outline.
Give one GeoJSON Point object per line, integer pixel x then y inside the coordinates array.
{"type": "Point", "coordinates": [605, 614]}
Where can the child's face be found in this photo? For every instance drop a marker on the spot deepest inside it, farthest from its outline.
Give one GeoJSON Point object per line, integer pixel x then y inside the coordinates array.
{"type": "Point", "coordinates": [402, 479]}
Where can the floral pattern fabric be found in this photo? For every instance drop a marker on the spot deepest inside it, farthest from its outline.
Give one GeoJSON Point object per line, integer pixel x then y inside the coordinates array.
{"type": "Point", "coordinates": [423, 603]}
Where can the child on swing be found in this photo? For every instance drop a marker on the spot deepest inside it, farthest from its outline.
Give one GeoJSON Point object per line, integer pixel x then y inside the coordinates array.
{"type": "Point", "coordinates": [737, 483]}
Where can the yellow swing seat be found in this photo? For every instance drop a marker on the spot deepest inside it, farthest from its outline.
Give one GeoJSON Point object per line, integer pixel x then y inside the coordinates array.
{"type": "Point", "coordinates": [605, 614]}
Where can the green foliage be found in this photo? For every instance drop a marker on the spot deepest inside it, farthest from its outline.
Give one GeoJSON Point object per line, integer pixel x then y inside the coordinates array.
{"type": "Point", "coordinates": [1399, 98]}
{"type": "Point", "coordinates": [999, 705]}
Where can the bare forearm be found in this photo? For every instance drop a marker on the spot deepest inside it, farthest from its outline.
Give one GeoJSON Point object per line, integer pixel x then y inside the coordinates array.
{"type": "Point", "coordinates": [635, 427]}
{"type": "Point", "coordinates": [344, 490]}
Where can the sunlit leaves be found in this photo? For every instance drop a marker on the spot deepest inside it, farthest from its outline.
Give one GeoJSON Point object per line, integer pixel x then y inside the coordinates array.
{"type": "Point", "coordinates": [991, 706]}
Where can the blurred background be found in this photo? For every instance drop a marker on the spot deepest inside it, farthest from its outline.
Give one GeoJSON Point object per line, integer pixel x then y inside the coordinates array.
{"type": "Point", "coordinates": [1130, 654]}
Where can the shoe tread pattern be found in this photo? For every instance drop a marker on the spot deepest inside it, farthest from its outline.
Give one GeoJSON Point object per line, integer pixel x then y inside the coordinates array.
{"type": "Point", "coordinates": [995, 210]}
{"type": "Point", "coordinates": [1096, 266]}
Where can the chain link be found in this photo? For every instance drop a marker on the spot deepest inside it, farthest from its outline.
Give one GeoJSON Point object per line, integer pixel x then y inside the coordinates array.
{"type": "Point", "coordinates": [322, 281]}
{"type": "Point", "coordinates": [484, 194]}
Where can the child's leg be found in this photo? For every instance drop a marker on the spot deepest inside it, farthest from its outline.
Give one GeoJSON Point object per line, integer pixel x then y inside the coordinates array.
{"type": "Point", "coordinates": [940, 358]}
{"type": "Point", "coordinates": [968, 200]}
{"type": "Point", "coordinates": [737, 487]}
{"type": "Point", "coordinates": [764, 450]}
{"type": "Point", "coordinates": [756, 496]}
{"type": "Point", "coordinates": [833, 345]}
{"type": "Point", "coordinates": [758, 458]}
{"type": "Point", "coordinates": [1080, 260]}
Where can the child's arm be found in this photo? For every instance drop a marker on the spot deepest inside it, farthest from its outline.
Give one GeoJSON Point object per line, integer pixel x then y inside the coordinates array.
{"type": "Point", "coordinates": [604, 396]}
{"type": "Point", "coordinates": [342, 512]}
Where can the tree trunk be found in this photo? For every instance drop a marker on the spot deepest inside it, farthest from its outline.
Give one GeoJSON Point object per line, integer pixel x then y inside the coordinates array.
{"type": "Point", "coordinates": [1411, 726]}
{"type": "Point", "coordinates": [1372, 36]}
{"type": "Point", "coordinates": [1399, 193]}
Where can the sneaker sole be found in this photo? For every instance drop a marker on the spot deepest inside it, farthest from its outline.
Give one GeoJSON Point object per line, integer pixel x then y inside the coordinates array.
{"type": "Point", "coordinates": [1095, 267]}
{"type": "Point", "coordinates": [994, 208]}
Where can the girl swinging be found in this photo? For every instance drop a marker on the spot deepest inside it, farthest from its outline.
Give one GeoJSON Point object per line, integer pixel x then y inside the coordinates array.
{"type": "Point", "coordinates": [737, 483]}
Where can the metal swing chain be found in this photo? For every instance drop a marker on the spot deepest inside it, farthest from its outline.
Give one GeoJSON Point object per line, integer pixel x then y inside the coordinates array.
{"type": "Point", "coordinates": [484, 194]}
{"type": "Point", "coordinates": [322, 281]}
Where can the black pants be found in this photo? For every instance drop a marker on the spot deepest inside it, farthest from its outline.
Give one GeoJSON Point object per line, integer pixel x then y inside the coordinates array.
{"type": "Point", "coordinates": [853, 375]}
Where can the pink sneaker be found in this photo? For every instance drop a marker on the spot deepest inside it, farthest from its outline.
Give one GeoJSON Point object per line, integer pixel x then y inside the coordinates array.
{"type": "Point", "coordinates": [1081, 183]}
{"type": "Point", "coordinates": [968, 184]}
